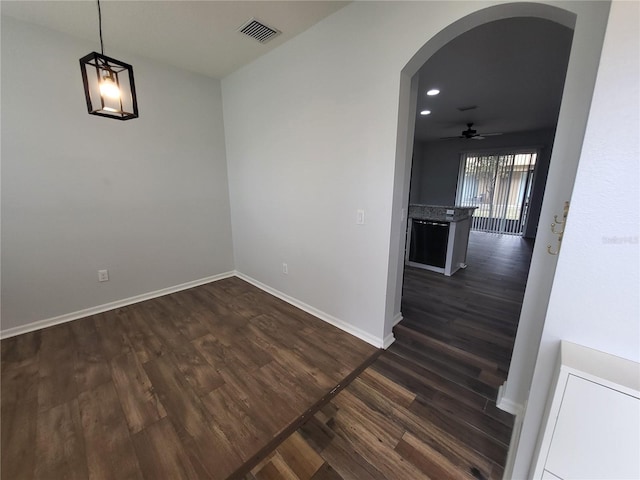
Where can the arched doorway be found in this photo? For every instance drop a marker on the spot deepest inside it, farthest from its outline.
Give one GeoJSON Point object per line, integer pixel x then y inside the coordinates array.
{"type": "Point", "coordinates": [569, 135]}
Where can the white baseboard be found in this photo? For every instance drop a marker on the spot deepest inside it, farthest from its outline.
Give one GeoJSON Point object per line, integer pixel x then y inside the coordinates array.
{"type": "Point", "coordinates": [68, 317]}
{"type": "Point", "coordinates": [513, 447]}
{"type": "Point", "coordinates": [506, 404]}
{"type": "Point", "coordinates": [388, 340]}
{"type": "Point", "coordinates": [342, 325]}
{"type": "Point", "coordinates": [514, 409]}
{"type": "Point", "coordinates": [397, 319]}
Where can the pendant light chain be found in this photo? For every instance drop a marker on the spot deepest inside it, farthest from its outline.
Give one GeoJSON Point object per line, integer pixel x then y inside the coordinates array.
{"type": "Point", "coordinates": [100, 27]}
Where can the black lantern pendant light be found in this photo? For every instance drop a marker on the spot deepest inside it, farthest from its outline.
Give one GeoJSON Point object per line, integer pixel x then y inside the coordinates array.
{"type": "Point", "coordinates": [108, 84]}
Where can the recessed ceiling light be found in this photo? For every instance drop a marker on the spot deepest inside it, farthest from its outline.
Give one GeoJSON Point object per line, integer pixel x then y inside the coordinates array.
{"type": "Point", "coordinates": [433, 91]}
{"type": "Point", "coordinates": [425, 112]}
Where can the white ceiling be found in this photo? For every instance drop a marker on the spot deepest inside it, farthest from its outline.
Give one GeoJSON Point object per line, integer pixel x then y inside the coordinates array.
{"type": "Point", "coordinates": [513, 70]}
{"type": "Point", "coordinates": [200, 36]}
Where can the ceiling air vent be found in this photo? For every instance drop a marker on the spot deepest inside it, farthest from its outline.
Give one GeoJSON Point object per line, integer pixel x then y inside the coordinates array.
{"type": "Point", "coordinates": [258, 31]}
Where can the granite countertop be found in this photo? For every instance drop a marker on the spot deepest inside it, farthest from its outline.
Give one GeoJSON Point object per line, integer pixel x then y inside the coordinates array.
{"type": "Point", "coordinates": [440, 213]}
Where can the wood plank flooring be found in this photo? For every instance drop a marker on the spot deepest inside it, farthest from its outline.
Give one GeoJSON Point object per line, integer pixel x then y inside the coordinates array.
{"type": "Point", "coordinates": [170, 390]}
{"type": "Point", "coordinates": [198, 384]}
{"type": "Point", "coordinates": [426, 407]}
{"type": "Point", "coordinates": [477, 309]}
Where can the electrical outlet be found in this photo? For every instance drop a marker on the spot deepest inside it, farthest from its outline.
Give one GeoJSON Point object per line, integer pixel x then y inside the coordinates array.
{"type": "Point", "coordinates": [285, 269]}
{"type": "Point", "coordinates": [360, 217]}
{"type": "Point", "coordinates": [103, 275]}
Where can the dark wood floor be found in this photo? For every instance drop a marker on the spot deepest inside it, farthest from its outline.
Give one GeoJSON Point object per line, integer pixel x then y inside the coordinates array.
{"type": "Point", "coordinates": [194, 385]}
{"type": "Point", "coordinates": [477, 309]}
{"type": "Point", "coordinates": [132, 393]}
{"type": "Point", "coordinates": [426, 407]}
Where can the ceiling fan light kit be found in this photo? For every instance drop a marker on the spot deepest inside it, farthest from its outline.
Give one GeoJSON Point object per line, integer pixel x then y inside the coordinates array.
{"type": "Point", "coordinates": [109, 87]}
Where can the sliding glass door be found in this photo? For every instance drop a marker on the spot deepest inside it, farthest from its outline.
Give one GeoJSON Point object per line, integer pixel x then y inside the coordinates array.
{"type": "Point", "coordinates": [499, 184]}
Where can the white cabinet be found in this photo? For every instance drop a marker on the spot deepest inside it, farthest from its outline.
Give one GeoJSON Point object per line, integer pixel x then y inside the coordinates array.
{"type": "Point", "coordinates": [592, 425]}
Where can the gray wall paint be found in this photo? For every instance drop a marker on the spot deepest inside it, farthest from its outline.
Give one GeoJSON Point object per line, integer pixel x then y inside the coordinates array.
{"type": "Point", "coordinates": [311, 131]}
{"type": "Point", "coordinates": [146, 198]}
{"type": "Point", "coordinates": [310, 142]}
{"type": "Point", "coordinates": [436, 166]}
{"type": "Point", "coordinates": [312, 135]}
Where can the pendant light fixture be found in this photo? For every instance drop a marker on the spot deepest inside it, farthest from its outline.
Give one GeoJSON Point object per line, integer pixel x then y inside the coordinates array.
{"type": "Point", "coordinates": [108, 84]}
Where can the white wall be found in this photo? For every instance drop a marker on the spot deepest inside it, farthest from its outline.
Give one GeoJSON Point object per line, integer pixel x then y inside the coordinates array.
{"type": "Point", "coordinates": [312, 132]}
{"type": "Point", "coordinates": [311, 137]}
{"type": "Point", "coordinates": [437, 166]}
{"type": "Point", "coordinates": [145, 198]}
{"type": "Point", "coordinates": [315, 131]}
{"type": "Point", "coordinates": [594, 300]}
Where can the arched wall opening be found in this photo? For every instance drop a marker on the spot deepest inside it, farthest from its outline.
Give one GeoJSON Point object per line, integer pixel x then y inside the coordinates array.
{"type": "Point", "coordinates": [580, 80]}
{"type": "Point", "coordinates": [406, 123]}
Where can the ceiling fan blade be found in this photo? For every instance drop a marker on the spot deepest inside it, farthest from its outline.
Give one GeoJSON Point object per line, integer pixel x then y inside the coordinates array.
{"type": "Point", "coordinates": [472, 134]}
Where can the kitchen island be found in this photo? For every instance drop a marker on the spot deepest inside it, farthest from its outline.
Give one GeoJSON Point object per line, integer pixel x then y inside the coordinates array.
{"type": "Point", "coordinates": [437, 237]}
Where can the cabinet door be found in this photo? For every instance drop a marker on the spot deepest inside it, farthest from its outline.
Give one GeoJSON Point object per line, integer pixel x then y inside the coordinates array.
{"type": "Point", "coordinates": [597, 434]}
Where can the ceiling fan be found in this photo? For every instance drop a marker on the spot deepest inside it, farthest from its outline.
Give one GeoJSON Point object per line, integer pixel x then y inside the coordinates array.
{"type": "Point", "coordinates": [470, 133]}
